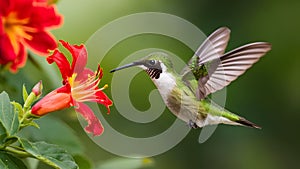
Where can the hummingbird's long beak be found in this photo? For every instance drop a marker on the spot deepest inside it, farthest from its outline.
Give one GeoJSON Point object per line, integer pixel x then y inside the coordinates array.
{"type": "Point", "coordinates": [126, 66]}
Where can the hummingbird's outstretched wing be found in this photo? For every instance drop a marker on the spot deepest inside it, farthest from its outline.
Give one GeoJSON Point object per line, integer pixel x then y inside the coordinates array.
{"type": "Point", "coordinates": [213, 70]}
{"type": "Point", "coordinates": [212, 48]}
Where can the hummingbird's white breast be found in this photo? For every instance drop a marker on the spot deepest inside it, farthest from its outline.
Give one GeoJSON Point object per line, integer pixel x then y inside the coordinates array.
{"type": "Point", "coordinates": [165, 83]}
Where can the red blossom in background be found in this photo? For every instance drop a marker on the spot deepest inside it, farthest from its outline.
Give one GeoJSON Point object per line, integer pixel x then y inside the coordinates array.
{"type": "Point", "coordinates": [80, 85]}
{"type": "Point", "coordinates": [25, 23]}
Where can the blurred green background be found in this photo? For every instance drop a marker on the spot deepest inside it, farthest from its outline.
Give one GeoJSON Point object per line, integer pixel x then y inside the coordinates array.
{"type": "Point", "coordinates": [267, 94]}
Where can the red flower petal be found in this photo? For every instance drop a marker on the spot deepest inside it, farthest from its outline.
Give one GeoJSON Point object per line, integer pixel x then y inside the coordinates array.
{"type": "Point", "coordinates": [62, 63]}
{"type": "Point", "coordinates": [4, 6]}
{"type": "Point", "coordinates": [7, 53]}
{"type": "Point", "coordinates": [20, 60]}
{"type": "Point", "coordinates": [82, 76]}
{"type": "Point", "coordinates": [41, 42]}
{"type": "Point", "coordinates": [41, 1]}
{"type": "Point", "coordinates": [79, 55]}
{"type": "Point", "coordinates": [103, 99]}
{"type": "Point", "coordinates": [1, 23]}
{"type": "Point", "coordinates": [94, 126]}
{"type": "Point", "coordinates": [24, 8]}
{"type": "Point", "coordinates": [100, 72]}
{"type": "Point", "coordinates": [45, 17]}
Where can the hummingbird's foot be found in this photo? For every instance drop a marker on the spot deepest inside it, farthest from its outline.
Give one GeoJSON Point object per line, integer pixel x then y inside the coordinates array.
{"type": "Point", "coordinates": [192, 124]}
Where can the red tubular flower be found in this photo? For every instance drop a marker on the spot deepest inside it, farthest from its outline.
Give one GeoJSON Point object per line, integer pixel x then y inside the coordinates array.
{"type": "Point", "coordinates": [80, 85]}
{"type": "Point", "coordinates": [25, 23]}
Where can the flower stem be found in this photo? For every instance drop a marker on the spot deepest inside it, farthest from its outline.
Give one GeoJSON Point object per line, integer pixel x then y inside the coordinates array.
{"type": "Point", "coordinates": [25, 119]}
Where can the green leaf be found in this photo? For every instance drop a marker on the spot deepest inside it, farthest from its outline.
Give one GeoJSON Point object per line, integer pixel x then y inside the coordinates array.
{"type": "Point", "coordinates": [32, 163]}
{"type": "Point", "coordinates": [8, 117]}
{"type": "Point", "coordinates": [3, 133]}
{"type": "Point", "coordinates": [126, 163]}
{"type": "Point", "coordinates": [3, 136]}
{"type": "Point", "coordinates": [8, 161]}
{"type": "Point", "coordinates": [50, 154]}
{"type": "Point", "coordinates": [49, 129]}
{"type": "Point", "coordinates": [33, 124]}
{"type": "Point", "coordinates": [25, 94]}
{"type": "Point", "coordinates": [10, 140]}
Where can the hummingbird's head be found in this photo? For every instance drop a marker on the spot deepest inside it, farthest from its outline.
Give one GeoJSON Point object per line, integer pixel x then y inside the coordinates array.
{"type": "Point", "coordinates": [154, 64]}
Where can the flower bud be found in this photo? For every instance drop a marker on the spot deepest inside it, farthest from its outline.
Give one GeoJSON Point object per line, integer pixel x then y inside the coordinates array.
{"type": "Point", "coordinates": [53, 101]}
{"type": "Point", "coordinates": [37, 89]}
{"type": "Point", "coordinates": [34, 95]}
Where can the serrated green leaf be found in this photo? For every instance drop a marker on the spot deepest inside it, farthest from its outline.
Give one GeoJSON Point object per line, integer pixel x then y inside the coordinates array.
{"type": "Point", "coordinates": [50, 154]}
{"type": "Point", "coordinates": [8, 117]}
{"type": "Point", "coordinates": [25, 94]}
{"type": "Point", "coordinates": [126, 163]}
{"type": "Point", "coordinates": [8, 161]}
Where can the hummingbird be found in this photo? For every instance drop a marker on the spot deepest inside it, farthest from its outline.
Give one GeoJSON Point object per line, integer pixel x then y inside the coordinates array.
{"type": "Point", "coordinates": [210, 69]}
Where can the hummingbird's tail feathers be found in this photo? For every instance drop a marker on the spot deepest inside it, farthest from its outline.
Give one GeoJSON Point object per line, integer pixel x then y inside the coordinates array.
{"type": "Point", "coordinates": [247, 123]}
{"type": "Point", "coordinates": [216, 115]}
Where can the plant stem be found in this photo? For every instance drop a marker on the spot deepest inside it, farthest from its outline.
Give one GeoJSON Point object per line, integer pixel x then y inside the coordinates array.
{"type": "Point", "coordinates": [25, 116]}
{"type": "Point", "coordinates": [18, 151]}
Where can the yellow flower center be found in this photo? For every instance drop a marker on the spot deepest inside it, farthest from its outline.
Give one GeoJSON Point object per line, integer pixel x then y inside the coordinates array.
{"type": "Point", "coordinates": [71, 79]}
{"type": "Point", "coordinates": [73, 84]}
{"type": "Point", "coordinates": [85, 90]}
{"type": "Point", "coordinates": [16, 29]}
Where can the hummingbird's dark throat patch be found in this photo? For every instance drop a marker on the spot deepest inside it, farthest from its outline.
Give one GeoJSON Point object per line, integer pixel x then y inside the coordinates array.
{"type": "Point", "coordinates": [154, 73]}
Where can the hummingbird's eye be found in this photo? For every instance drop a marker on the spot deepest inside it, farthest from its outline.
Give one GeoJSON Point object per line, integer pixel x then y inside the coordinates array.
{"type": "Point", "coordinates": [151, 62]}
